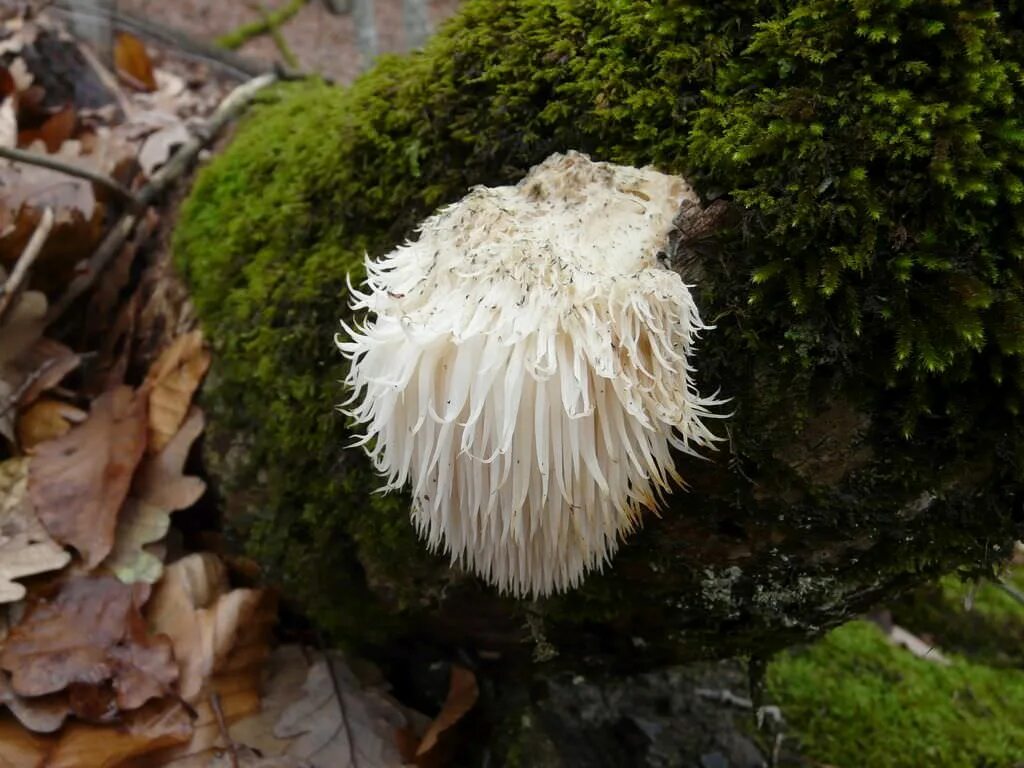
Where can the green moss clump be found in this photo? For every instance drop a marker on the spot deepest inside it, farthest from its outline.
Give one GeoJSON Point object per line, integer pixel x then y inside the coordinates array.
{"type": "Point", "coordinates": [869, 307]}
{"type": "Point", "coordinates": [854, 699]}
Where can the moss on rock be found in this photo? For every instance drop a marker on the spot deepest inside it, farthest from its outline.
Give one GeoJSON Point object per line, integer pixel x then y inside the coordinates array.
{"type": "Point", "coordinates": [855, 699]}
{"type": "Point", "coordinates": [868, 308]}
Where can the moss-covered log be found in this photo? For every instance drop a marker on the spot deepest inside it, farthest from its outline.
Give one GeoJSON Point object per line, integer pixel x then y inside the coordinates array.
{"type": "Point", "coordinates": [868, 306]}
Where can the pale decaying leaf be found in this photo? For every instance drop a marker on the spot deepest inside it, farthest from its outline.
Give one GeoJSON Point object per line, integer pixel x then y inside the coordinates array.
{"type": "Point", "coordinates": [79, 482]}
{"type": "Point", "coordinates": [321, 730]}
{"type": "Point", "coordinates": [160, 145]}
{"type": "Point", "coordinates": [160, 487]}
{"type": "Point", "coordinates": [8, 124]}
{"type": "Point", "coordinates": [25, 546]}
{"type": "Point", "coordinates": [171, 382]}
{"type": "Point", "coordinates": [203, 619]}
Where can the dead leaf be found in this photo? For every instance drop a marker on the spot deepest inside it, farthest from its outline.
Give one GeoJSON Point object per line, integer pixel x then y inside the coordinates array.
{"type": "Point", "coordinates": [160, 145]}
{"type": "Point", "coordinates": [54, 131]}
{"type": "Point", "coordinates": [172, 381]}
{"type": "Point", "coordinates": [133, 63]}
{"type": "Point", "coordinates": [193, 607]}
{"type": "Point", "coordinates": [23, 327]}
{"type": "Point", "coordinates": [321, 729]}
{"type": "Point", "coordinates": [79, 482]}
{"type": "Point", "coordinates": [463, 692]}
{"type": "Point", "coordinates": [46, 419]}
{"type": "Point", "coordinates": [35, 370]}
{"type": "Point", "coordinates": [40, 714]}
{"type": "Point", "coordinates": [91, 639]}
{"type": "Point", "coordinates": [8, 123]}
{"type": "Point", "coordinates": [43, 366]}
{"type": "Point", "coordinates": [25, 547]}
{"type": "Point", "coordinates": [160, 488]}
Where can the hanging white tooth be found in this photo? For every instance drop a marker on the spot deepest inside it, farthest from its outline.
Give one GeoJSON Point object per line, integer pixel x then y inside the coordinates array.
{"type": "Point", "coordinates": [525, 366]}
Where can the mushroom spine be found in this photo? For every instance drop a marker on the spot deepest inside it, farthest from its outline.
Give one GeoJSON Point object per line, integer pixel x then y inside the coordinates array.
{"type": "Point", "coordinates": [525, 366]}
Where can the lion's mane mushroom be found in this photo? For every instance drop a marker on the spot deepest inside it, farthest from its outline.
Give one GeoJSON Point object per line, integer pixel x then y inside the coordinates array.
{"type": "Point", "coordinates": [525, 366]}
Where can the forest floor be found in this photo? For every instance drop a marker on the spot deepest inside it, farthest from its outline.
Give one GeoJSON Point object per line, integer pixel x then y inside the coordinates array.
{"type": "Point", "coordinates": [131, 636]}
{"type": "Point", "coordinates": [322, 42]}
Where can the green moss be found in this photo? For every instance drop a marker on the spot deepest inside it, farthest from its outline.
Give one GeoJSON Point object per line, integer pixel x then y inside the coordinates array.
{"type": "Point", "coordinates": [855, 700]}
{"type": "Point", "coordinates": [873, 291]}
{"type": "Point", "coordinates": [974, 618]}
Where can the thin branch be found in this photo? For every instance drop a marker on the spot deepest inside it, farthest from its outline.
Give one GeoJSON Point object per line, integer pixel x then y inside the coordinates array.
{"type": "Point", "coordinates": [12, 287]}
{"type": "Point", "coordinates": [237, 66]}
{"type": "Point", "coordinates": [177, 166]}
{"type": "Point", "coordinates": [51, 162]}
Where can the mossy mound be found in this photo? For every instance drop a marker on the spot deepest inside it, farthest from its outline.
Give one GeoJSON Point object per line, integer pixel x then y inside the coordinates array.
{"type": "Point", "coordinates": [868, 307]}
{"type": "Point", "coordinates": [854, 698]}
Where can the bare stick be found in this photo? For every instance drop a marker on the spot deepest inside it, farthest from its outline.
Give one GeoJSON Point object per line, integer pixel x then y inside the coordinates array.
{"type": "Point", "coordinates": [51, 162]}
{"type": "Point", "coordinates": [180, 162]}
{"type": "Point", "coordinates": [10, 289]}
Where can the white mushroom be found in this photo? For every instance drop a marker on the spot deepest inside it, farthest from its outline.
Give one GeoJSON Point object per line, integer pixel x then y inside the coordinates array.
{"type": "Point", "coordinates": [525, 366]}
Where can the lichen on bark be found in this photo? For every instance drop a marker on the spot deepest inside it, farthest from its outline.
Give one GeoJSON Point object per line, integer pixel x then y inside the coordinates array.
{"type": "Point", "coordinates": [867, 305]}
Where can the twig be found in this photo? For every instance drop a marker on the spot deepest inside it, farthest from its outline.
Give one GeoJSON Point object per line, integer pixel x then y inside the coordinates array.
{"type": "Point", "coordinates": [180, 162]}
{"type": "Point", "coordinates": [237, 66]}
{"type": "Point", "coordinates": [271, 21]}
{"type": "Point", "coordinates": [51, 162]}
{"type": "Point", "coordinates": [15, 397]}
{"type": "Point", "coordinates": [233, 104]}
{"type": "Point", "coordinates": [223, 726]}
{"type": "Point", "coordinates": [12, 287]}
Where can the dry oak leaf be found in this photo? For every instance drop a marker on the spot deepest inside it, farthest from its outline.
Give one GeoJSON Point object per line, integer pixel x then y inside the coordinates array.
{"type": "Point", "coordinates": [80, 745]}
{"type": "Point", "coordinates": [463, 692]}
{"type": "Point", "coordinates": [78, 482]}
{"type": "Point", "coordinates": [91, 639]}
{"type": "Point", "coordinates": [160, 487]}
{"type": "Point", "coordinates": [193, 607]}
{"type": "Point", "coordinates": [25, 547]}
{"type": "Point", "coordinates": [171, 382]}
{"type": "Point", "coordinates": [236, 681]}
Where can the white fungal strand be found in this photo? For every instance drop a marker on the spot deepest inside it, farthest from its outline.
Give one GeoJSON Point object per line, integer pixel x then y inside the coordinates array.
{"type": "Point", "coordinates": [524, 366]}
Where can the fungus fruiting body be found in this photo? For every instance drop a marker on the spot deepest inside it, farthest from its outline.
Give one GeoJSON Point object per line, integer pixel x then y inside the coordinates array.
{"type": "Point", "coordinates": [524, 365]}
